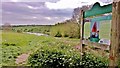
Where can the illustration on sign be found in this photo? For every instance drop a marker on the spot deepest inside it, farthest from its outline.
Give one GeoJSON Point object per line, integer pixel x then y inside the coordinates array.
{"type": "Point", "coordinates": [94, 34]}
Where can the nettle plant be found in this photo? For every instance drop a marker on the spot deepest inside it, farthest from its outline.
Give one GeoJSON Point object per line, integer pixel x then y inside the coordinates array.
{"type": "Point", "coordinates": [57, 57]}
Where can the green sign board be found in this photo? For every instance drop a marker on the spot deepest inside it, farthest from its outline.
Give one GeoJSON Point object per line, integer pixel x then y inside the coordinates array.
{"type": "Point", "coordinates": [102, 18]}
{"type": "Point", "coordinates": [98, 10]}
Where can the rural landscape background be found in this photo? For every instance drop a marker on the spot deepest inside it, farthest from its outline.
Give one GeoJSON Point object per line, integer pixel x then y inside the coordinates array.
{"type": "Point", "coordinates": [50, 45]}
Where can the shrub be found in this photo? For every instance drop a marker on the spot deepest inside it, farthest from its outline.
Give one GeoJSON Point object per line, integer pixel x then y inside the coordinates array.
{"type": "Point", "coordinates": [119, 64]}
{"type": "Point", "coordinates": [90, 61]}
{"type": "Point", "coordinates": [53, 59]}
{"type": "Point", "coordinates": [19, 31]}
{"type": "Point", "coordinates": [13, 29]}
{"type": "Point", "coordinates": [31, 30]}
{"type": "Point", "coordinates": [66, 34]}
{"type": "Point", "coordinates": [9, 44]}
{"type": "Point", "coordinates": [63, 57]}
{"type": "Point", "coordinates": [69, 29]}
{"type": "Point", "coordinates": [25, 30]}
{"type": "Point", "coordinates": [58, 34]}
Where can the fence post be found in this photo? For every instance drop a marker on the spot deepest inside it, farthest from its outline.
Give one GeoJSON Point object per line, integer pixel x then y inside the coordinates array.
{"type": "Point", "coordinates": [81, 32]}
{"type": "Point", "coordinates": [115, 36]}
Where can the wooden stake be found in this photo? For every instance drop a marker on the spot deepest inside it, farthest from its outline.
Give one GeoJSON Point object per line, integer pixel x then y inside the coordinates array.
{"type": "Point", "coordinates": [82, 32]}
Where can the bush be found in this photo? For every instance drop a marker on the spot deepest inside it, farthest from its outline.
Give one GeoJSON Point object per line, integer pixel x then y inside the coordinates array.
{"type": "Point", "coordinates": [69, 29]}
{"type": "Point", "coordinates": [25, 30]}
{"type": "Point", "coordinates": [119, 64]}
{"type": "Point", "coordinates": [53, 59]}
{"type": "Point", "coordinates": [9, 44]}
{"type": "Point", "coordinates": [58, 34]}
{"type": "Point", "coordinates": [19, 31]}
{"type": "Point", "coordinates": [90, 61]}
{"type": "Point", "coordinates": [65, 34]}
{"type": "Point", "coordinates": [63, 57]}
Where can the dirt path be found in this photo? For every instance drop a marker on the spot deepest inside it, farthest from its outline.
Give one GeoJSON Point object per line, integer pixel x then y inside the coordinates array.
{"type": "Point", "coordinates": [22, 58]}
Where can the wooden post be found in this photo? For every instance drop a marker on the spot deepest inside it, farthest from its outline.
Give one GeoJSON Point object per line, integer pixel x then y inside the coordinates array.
{"type": "Point", "coordinates": [82, 25]}
{"type": "Point", "coordinates": [115, 36]}
{"type": "Point", "coordinates": [82, 32]}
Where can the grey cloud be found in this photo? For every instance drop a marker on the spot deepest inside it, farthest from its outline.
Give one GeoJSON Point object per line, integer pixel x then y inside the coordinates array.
{"type": "Point", "coordinates": [19, 13]}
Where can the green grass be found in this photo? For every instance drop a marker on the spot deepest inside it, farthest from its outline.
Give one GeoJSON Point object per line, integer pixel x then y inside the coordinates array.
{"type": "Point", "coordinates": [69, 29]}
{"type": "Point", "coordinates": [0, 48]}
{"type": "Point", "coordinates": [37, 29]}
{"type": "Point", "coordinates": [23, 43]}
{"type": "Point", "coordinates": [14, 44]}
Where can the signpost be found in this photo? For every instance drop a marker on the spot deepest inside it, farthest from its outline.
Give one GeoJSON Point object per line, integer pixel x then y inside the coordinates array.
{"type": "Point", "coordinates": [115, 28]}
{"type": "Point", "coordinates": [115, 36]}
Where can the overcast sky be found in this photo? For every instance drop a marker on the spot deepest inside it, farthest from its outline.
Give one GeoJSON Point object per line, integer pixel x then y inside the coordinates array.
{"type": "Point", "coordinates": [42, 12]}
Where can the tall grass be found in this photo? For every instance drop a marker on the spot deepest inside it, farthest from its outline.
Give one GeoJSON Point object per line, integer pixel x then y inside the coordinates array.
{"type": "Point", "coordinates": [70, 30]}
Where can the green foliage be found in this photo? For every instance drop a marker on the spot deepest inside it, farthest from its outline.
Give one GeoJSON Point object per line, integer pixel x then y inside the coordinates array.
{"type": "Point", "coordinates": [58, 34]}
{"type": "Point", "coordinates": [119, 63]}
{"type": "Point", "coordinates": [69, 29]}
{"type": "Point", "coordinates": [90, 61]}
{"type": "Point", "coordinates": [14, 44]}
{"type": "Point", "coordinates": [9, 44]}
{"type": "Point", "coordinates": [52, 52]}
{"type": "Point", "coordinates": [62, 56]}
{"type": "Point", "coordinates": [9, 54]}
{"type": "Point", "coordinates": [65, 34]}
{"type": "Point", "coordinates": [19, 31]}
{"type": "Point", "coordinates": [65, 29]}
{"type": "Point", "coordinates": [37, 29]}
{"type": "Point", "coordinates": [57, 57]}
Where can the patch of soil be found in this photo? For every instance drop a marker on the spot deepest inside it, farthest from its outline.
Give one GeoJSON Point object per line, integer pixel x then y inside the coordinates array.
{"type": "Point", "coordinates": [22, 58]}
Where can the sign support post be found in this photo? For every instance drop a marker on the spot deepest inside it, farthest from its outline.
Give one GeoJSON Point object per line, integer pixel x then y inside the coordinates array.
{"type": "Point", "coordinates": [115, 36]}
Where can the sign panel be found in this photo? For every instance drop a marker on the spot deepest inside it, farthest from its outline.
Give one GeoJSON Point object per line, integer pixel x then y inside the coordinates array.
{"type": "Point", "coordinates": [98, 10]}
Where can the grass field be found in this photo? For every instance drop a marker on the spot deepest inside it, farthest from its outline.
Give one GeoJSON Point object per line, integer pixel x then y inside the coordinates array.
{"type": "Point", "coordinates": [14, 44]}
{"type": "Point", "coordinates": [17, 43]}
{"type": "Point", "coordinates": [68, 29]}
{"type": "Point", "coordinates": [38, 29]}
